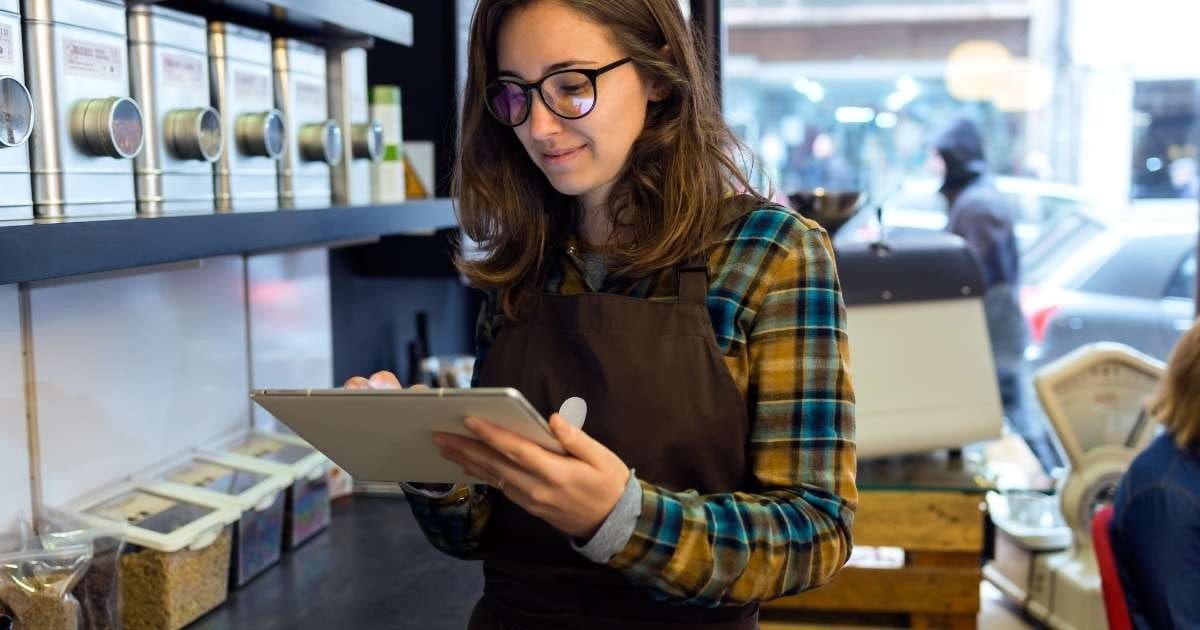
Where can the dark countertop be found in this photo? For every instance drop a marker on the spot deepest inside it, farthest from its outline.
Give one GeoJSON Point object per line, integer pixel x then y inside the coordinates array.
{"type": "Point", "coordinates": [371, 569]}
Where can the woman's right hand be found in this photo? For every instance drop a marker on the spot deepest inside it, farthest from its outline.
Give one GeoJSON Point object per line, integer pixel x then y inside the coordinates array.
{"type": "Point", "coordinates": [386, 380]}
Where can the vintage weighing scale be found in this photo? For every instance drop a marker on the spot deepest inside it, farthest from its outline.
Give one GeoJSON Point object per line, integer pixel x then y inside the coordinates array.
{"type": "Point", "coordinates": [1044, 560]}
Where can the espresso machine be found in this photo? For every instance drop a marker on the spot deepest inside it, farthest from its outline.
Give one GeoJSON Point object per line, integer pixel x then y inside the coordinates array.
{"type": "Point", "coordinates": [922, 360]}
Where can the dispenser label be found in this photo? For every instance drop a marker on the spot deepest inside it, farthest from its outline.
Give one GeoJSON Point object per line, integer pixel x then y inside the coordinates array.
{"type": "Point", "coordinates": [310, 95]}
{"type": "Point", "coordinates": [92, 59]}
{"type": "Point", "coordinates": [181, 71]}
{"type": "Point", "coordinates": [6, 44]}
{"type": "Point", "coordinates": [247, 84]}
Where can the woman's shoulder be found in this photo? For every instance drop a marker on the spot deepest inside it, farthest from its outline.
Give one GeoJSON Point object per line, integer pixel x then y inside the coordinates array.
{"type": "Point", "coordinates": [773, 227]}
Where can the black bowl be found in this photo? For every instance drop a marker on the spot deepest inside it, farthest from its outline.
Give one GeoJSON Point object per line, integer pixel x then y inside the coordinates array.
{"type": "Point", "coordinates": [831, 209]}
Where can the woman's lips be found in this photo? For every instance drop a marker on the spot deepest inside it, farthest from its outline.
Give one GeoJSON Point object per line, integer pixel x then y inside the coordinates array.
{"type": "Point", "coordinates": [561, 157]}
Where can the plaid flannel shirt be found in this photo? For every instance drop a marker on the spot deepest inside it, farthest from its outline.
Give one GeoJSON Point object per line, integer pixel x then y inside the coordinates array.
{"type": "Point", "coordinates": [775, 304]}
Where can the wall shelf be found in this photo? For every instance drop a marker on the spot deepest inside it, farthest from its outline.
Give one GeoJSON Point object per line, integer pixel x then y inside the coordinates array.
{"type": "Point", "coordinates": [40, 250]}
{"type": "Point", "coordinates": [347, 21]}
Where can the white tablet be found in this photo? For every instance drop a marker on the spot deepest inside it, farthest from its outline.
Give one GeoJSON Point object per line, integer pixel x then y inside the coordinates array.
{"type": "Point", "coordinates": [387, 434]}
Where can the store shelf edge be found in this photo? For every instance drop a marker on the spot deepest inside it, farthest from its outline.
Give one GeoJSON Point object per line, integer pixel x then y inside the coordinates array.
{"type": "Point", "coordinates": [33, 251]}
{"type": "Point", "coordinates": [343, 20]}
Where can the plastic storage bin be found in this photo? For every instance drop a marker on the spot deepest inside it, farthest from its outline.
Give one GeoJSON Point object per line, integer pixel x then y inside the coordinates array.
{"type": "Point", "coordinates": [308, 497]}
{"type": "Point", "coordinates": [259, 494]}
{"type": "Point", "coordinates": [175, 566]}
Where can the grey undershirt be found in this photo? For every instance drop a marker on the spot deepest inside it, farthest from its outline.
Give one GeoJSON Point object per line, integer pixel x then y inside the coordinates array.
{"type": "Point", "coordinates": [614, 532]}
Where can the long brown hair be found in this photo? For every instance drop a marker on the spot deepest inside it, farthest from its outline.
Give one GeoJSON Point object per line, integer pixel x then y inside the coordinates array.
{"type": "Point", "coordinates": [1176, 403]}
{"type": "Point", "coordinates": [672, 195]}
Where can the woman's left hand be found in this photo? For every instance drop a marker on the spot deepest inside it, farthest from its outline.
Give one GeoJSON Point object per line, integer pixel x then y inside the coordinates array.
{"type": "Point", "coordinates": [573, 492]}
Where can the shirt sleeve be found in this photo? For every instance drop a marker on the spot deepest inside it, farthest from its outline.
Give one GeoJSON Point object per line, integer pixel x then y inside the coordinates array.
{"type": "Point", "coordinates": [792, 531]}
{"type": "Point", "coordinates": [1156, 539]}
{"type": "Point", "coordinates": [453, 522]}
{"type": "Point", "coordinates": [617, 527]}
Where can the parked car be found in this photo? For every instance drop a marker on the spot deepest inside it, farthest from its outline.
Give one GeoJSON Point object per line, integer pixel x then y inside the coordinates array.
{"type": "Point", "coordinates": [1135, 284]}
{"type": "Point", "coordinates": [1052, 218]}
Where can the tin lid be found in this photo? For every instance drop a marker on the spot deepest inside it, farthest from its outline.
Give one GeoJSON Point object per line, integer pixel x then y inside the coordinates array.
{"type": "Point", "coordinates": [295, 45]}
{"type": "Point", "coordinates": [96, 15]}
{"type": "Point", "coordinates": [170, 14]}
{"type": "Point", "coordinates": [236, 30]}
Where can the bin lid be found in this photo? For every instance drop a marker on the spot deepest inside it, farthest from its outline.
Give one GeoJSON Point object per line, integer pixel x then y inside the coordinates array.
{"type": "Point", "coordinates": [277, 450]}
{"type": "Point", "coordinates": [148, 514]}
{"type": "Point", "coordinates": [248, 486]}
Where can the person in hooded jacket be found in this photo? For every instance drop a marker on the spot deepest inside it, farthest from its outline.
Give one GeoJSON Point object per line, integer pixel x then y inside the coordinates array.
{"type": "Point", "coordinates": [985, 219]}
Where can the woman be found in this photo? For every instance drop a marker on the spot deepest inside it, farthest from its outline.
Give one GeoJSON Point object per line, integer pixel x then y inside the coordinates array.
{"type": "Point", "coordinates": [1156, 521]}
{"type": "Point", "coordinates": [626, 264]}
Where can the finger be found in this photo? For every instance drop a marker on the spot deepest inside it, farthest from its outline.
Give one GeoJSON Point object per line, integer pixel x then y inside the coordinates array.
{"type": "Point", "coordinates": [357, 382]}
{"type": "Point", "coordinates": [384, 380]}
{"type": "Point", "coordinates": [491, 467]}
{"type": "Point", "coordinates": [577, 443]}
{"type": "Point", "coordinates": [464, 449]}
{"type": "Point", "coordinates": [518, 449]}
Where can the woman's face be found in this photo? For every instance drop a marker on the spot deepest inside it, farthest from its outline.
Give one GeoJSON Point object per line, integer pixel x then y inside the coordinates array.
{"type": "Point", "coordinates": [580, 157]}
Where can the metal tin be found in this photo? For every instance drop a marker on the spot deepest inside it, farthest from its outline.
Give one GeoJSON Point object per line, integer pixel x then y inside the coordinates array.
{"type": "Point", "coordinates": [314, 141]}
{"type": "Point", "coordinates": [348, 105]}
{"type": "Point", "coordinates": [241, 87]}
{"type": "Point", "coordinates": [16, 119]}
{"type": "Point", "coordinates": [169, 53]}
{"type": "Point", "coordinates": [87, 127]}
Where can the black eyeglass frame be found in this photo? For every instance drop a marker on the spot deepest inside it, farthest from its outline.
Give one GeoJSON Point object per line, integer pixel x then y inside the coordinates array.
{"type": "Point", "coordinates": [526, 88]}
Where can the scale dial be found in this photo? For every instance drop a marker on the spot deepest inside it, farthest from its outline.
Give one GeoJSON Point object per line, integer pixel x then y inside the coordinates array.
{"type": "Point", "coordinates": [1095, 397]}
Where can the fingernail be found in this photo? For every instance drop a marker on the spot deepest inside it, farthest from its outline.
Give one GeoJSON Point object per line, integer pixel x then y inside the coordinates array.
{"type": "Point", "coordinates": [439, 440]}
{"type": "Point", "coordinates": [471, 423]}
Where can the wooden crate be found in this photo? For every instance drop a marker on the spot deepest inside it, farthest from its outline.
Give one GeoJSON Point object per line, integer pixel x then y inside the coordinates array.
{"type": "Point", "coordinates": [942, 535]}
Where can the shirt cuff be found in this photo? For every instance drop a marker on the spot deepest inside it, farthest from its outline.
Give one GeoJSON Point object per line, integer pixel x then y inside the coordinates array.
{"type": "Point", "coordinates": [431, 494]}
{"type": "Point", "coordinates": [618, 526]}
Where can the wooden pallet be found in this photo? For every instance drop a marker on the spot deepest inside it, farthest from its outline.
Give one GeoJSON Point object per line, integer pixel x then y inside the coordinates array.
{"type": "Point", "coordinates": [942, 535]}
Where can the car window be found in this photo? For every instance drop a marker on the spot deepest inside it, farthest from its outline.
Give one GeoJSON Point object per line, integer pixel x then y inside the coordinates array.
{"type": "Point", "coordinates": [1183, 282]}
{"type": "Point", "coordinates": [1057, 242]}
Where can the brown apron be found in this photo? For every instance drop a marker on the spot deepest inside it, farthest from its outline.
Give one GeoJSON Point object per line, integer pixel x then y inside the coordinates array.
{"type": "Point", "coordinates": [660, 396]}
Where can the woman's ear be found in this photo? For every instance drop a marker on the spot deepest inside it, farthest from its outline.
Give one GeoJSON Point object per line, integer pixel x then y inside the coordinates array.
{"type": "Point", "coordinates": [659, 89]}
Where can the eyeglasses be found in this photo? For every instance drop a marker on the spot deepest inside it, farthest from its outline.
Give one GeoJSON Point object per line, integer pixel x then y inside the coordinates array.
{"type": "Point", "coordinates": [570, 94]}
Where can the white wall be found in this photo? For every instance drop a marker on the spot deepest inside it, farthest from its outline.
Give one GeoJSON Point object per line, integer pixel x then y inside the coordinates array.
{"type": "Point", "coordinates": [291, 332]}
{"type": "Point", "coordinates": [14, 461]}
{"type": "Point", "coordinates": [134, 369]}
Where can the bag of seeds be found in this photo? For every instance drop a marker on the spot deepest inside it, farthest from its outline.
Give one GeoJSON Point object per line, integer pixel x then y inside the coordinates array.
{"type": "Point", "coordinates": [36, 582]}
{"type": "Point", "coordinates": [98, 590]}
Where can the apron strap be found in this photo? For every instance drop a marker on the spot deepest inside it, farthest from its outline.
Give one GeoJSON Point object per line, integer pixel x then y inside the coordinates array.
{"type": "Point", "coordinates": [693, 280]}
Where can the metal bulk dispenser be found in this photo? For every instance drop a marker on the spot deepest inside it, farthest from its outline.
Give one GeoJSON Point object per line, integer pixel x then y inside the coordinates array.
{"type": "Point", "coordinates": [314, 141]}
{"type": "Point", "coordinates": [241, 86]}
{"type": "Point", "coordinates": [169, 52]}
{"type": "Point", "coordinates": [16, 118]}
{"type": "Point", "coordinates": [349, 107]}
{"type": "Point", "coordinates": [88, 128]}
